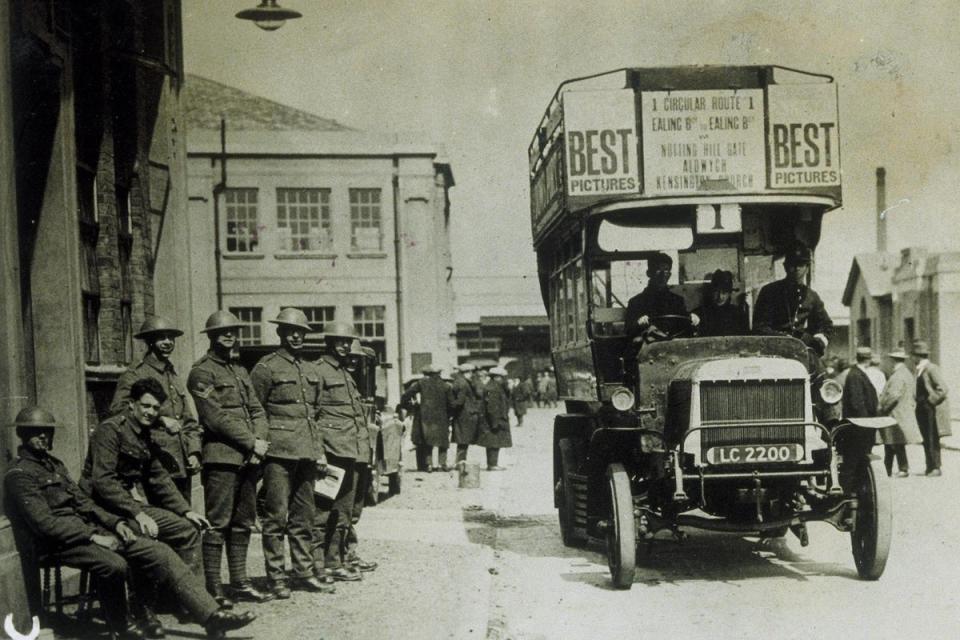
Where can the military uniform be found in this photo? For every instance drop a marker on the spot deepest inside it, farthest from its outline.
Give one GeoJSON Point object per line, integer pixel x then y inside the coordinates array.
{"type": "Point", "coordinates": [123, 474]}
{"type": "Point", "coordinates": [343, 425]}
{"type": "Point", "coordinates": [174, 444]}
{"type": "Point", "coordinates": [63, 518]}
{"type": "Point", "coordinates": [232, 420]}
{"type": "Point", "coordinates": [287, 387]}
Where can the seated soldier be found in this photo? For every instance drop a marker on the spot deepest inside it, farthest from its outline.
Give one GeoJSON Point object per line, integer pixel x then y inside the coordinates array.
{"type": "Point", "coordinates": [70, 528]}
{"type": "Point", "coordinates": [124, 474]}
{"type": "Point", "coordinates": [656, 301]}
{"type": "Point", "coordinates": [721, 315]}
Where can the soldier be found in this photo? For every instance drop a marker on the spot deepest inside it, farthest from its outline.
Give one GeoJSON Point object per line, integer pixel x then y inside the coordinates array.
{"type": "Point", "coordinates": [286, 386]}
{"type": "Point", "coordinates": [123, 474]}
{"type": "Point", "coordinates": [790, 307]}
{"type": "Point", "coordinates": [69, 527]}
{"type": "Point", "coordinates": [234, 444]}
{"type": "Point", "coordinates": [178, 435]}
{"type": "Point", "coordinates": [431, 424]}
{"type": "Point", "coordinates": [343, 425]}
{"type": "Point", "coordinates": [465, 404]}
{"type": "Point", "coordinates": [364, 466]}
{"type": "Point", "coordinates": [495, 423]}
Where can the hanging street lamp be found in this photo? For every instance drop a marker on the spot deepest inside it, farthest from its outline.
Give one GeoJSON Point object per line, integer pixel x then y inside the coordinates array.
{"type": "Point", "coordinates": [268, 16]}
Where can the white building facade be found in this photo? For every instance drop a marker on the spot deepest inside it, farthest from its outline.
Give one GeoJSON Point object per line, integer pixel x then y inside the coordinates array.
{"type": "Point", "coordinates": [345, 225]}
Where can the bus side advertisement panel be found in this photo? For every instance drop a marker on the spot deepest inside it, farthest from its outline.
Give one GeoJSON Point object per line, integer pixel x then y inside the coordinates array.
{"type": "Point", "coordinates": [803, 142]}
{"type": "Point", "coordinates": [600, 134]}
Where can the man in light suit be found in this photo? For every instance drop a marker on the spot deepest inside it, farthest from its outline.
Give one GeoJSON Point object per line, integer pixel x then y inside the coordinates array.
{"type": "Point", "coordinates": [933, 410]}
{"type": "Point", "coordinates": [898, 400]}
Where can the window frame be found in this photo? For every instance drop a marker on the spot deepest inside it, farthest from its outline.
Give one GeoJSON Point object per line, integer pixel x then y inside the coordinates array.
{"type": "Point", "coordinates": [252, 241]}
{"type": "Point", "coordinates": [319, 230]}
{"type": "Point", "coordinates": [252, 324]}
{"type": "Point", "coordinates": [358, 208]}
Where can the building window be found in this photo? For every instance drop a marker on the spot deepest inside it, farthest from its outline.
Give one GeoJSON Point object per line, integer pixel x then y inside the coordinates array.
{"type": "Point", "coordinates": [242, 235]}
{"type": "Point", "coordinates": [303, 219]}
{"type": "Point", "coordinates": [251, 329]}
{"type": "Point", "coordinates": [369, 324]}
{"type": "Point", "coordinates": [317, 317]}
{"type": "Point", "coordinates": [91, 328]}
{"type": "Point", "coordinates": [366, 231]}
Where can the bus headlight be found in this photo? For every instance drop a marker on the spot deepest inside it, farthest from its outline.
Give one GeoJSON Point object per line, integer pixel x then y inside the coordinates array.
{"type": "Point", "coordinates": [831, 392]}
{"type": "Point", "coordinates": [622, 399]}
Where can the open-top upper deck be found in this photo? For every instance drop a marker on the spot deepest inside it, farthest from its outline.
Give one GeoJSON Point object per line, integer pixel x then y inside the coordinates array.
{"type": "Point", "coordinates": [650, 137]}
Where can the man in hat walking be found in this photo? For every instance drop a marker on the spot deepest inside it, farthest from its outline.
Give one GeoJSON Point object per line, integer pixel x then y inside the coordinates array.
{"type": "Point", "coordinates": [790, 307]}
{"type": "Point", "coordinates": [721, 316]}
{"type": "Point", "coordinates": [287, 387]}
{"type": "Point", "coordinates": [178, 434]}
{"type": "Point", "coordinates": [69, 527]}
{"type": "Point", "coordinates": [431, 424]}
{"type": "Point", "coordinates": [933, 410]}
{"type": "Point", "coordinates": [495, 421]}
{"type": "Point", "coordinates": [343, 426]}
{"type": "Point", "coordinates": [898, 400]}
{"type": "Point", "coordinates": [234, 445]}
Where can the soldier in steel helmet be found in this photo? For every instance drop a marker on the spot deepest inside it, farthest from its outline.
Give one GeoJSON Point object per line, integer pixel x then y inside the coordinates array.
{"type": "Point", "coordinates": [234, 444]}
{"type": "Point", "coordinates": [286, 386]}
{"type": "Point", "coordinates": [178, 434]}
{"type": "Point", "coordinates": [69, 527]}
{"type": "Point", "coordinates": [343, 424]}
{"type": "Point", "coordinates": [790, 307]}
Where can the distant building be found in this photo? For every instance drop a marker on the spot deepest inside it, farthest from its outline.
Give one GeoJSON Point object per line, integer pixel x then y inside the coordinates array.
{"type": "Point", "coordinates": [344, 224]}
{"type": "Point", "coordinates": [895, 300]}
{"type": "Point", "coordinates": [92, 215]}
{"type": "Point", "coordinates": [521, 342]}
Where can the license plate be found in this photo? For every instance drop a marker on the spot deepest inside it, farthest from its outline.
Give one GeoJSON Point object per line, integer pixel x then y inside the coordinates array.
{"type": "Point", "coordinates": [755, 453]}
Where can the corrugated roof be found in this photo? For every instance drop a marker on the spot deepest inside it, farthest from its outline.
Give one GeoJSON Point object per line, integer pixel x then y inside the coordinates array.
{"type": "Point", "coordinates": [877, 272]}
{"type": "Point", "coordinates": [205, 101]}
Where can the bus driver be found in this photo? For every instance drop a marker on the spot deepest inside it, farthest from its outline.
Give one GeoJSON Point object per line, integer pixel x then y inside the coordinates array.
{"type": "Point", "coordinates": [655, 302]}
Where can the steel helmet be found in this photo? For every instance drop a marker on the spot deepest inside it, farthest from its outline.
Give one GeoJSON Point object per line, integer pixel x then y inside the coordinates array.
{"type": "Point", "coordinates": [34, 417]}
{"type": "Point", "coordinates": [292, 317]}
{"type": "Point", "coordinates": [221, 320]}
{"type": "Point", "coordinates": [157, 324]}
{"type": "Point", "coordinates": [356, 349]}
{"type": "Point", "coordinates": [339, 330]}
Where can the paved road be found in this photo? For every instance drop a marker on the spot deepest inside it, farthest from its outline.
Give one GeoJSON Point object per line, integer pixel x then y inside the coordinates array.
{"type": "Point", "coordinates": [488, 563]}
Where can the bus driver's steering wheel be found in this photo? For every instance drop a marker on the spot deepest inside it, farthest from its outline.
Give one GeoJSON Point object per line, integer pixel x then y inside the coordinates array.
{"type": "Point", "coordinates": [653, 333]}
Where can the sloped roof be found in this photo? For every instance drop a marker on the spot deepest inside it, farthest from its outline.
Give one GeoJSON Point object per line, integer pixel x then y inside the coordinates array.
{"type": "Point", "coordinates": [205, 101]}
{"type": "Point", "coordinates": [877, 271]}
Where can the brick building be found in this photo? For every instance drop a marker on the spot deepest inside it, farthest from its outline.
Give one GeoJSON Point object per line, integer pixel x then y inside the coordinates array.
{"type": "Point", "coordinates": [347, 225]}
{"type": "Point", "coordinates": [895, 300]}
{"type": "Point", "coordinates": [92, 200]}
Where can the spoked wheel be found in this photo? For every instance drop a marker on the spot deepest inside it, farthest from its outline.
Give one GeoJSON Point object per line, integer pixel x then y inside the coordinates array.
{"type": "Point", "coordinates": [870, 537]}
{"type": "Point", "coordinates": [566, 512]}
{"type": "Point", "coordinates": [622, 532]}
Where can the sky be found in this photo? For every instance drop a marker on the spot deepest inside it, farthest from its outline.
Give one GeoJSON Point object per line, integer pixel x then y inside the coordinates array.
{"type": "Point", "coordinates": [477, 75]}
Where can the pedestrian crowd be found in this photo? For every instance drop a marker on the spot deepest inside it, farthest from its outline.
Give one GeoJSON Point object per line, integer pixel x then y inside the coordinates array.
{"type": "Point", "coordinates": [260, 443]}
{"type": "Point", "coordinates": [914, 395]}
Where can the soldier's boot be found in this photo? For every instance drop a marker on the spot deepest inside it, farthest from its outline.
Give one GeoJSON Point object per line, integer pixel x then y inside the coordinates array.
{"type": "Point", "coordinates": [241, 589]}
{"type": "Point", "coordinates": [212, 556]}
